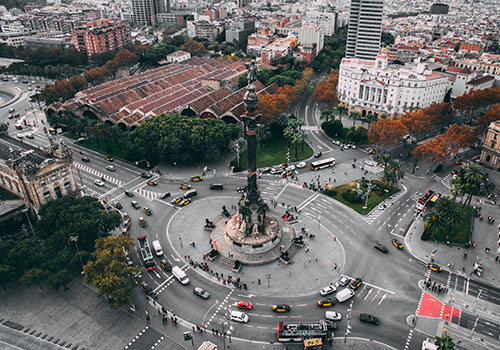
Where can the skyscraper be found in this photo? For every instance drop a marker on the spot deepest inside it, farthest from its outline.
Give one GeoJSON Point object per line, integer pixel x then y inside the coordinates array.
{"type": "Point", "coordinates": [365, 29]}
{"type": "Point", "coordinates": [144, 11]}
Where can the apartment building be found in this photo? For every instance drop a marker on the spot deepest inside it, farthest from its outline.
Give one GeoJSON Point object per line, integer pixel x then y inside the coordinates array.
{"type": "Point", "coordinates": [101, 36]}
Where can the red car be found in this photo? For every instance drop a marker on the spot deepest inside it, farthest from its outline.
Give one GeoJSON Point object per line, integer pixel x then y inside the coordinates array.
{"type": "Point", "coordinates": [19, 127]}
{"type": "Point", "coordinates": [244, 305]}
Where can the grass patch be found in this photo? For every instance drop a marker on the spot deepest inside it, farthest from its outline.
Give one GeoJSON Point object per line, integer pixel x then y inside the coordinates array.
{"type": "Point", "coordinates": [460, 234]}
{"type": "Point", "coordinates": [377, 195]}
{"type": "Point", "coordinates": [273, 151]}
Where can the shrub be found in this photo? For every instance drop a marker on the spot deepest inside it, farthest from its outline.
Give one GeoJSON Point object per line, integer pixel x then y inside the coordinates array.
{"type": "Point", "coordinates": [333, 128]}
{"type": "Point", "coordinates": [351, 197]}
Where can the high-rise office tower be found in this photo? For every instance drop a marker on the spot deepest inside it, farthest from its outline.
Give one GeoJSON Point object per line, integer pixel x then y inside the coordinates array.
{"type": "Point", "coordinates": [144, 11]}
{"type": "Point", "coordinates": [365, 29]}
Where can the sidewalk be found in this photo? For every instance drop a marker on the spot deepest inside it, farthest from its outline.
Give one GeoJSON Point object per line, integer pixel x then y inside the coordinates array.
{"type": "Point", "coordinates": [485, 236]}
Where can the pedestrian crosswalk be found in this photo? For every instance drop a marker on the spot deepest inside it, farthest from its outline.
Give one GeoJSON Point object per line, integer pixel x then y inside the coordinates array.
{"type": "Point", "coordinates": [436, 177]}
{"type": "Point", "coordinates": [375, 213]}
{"type": "Point", "coordinates": [96, 173]}
{"type": "Point", "coordinates": [148, 194]}
{"type": "Point", "coordinates": [446, 181]}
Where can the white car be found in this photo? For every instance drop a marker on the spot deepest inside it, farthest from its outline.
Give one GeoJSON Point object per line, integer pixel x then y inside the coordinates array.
{"type": "Point", "coordinates": [239, 316]}
{"type": "Point", "coordinates": [369, 162]}
{"type": "Point", "coordinates": [343, 281]}
{"type": "Point", "coordinates": [301, 165]}
{"type": "Point", "coordinates": [19, 136]}
{"type": "Point", "coordinates": [30, 136]}
{"type": "Point", "coordinates": [290, 168]}
{"type": "Point", "coordinates": [333, 315]}
{"type": "Point", "coordinates": [99, 183]}
{"type": "Point", "coordinates": [110, 168]}
{"type": "Point", "coordinates": [327, 290]}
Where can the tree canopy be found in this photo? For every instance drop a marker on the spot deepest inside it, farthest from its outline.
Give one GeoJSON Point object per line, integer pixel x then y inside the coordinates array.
{"type": "Point", "coordinates": [182, 139]}
{"type": "Point", "coordinates": [109, 272]}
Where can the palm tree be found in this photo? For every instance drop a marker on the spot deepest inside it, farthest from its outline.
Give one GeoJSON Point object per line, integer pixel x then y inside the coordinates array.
{"type": "Point", "coordinates": [444, 343]}
{"type": "Point", "coordinates": [450, 210]}
{"type": "Point", "coordinates": [434, 222]}
{"type": "Point", "coordinates": [457, 187]}
{"type": "Point", "coordinates": [282, 120]}
{"type": "Point", "coordinates": [473, 176]}
{"type": "Point", "coordinates": [355, 116]}
{"type": "Point", "coordinates": [326, 114]}
{"type": "Point", "coordinates": [370, 118]}
{"type": "Point", "coordinates": [294, 133]}
{"type": "Point", "coordinates": [385, 160]}
{"type": "Point", "coordinates": [263, 133]}
{"type": "Point", "coordinates": [396, 171]}
{"type": "Point", "coordinates": [342, 110]}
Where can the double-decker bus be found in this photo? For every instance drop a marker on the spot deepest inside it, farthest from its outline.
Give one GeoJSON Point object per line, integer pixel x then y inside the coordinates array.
{"type": "Point", "coordinates": [323, 163]}
{"type": "Point", "coordinates": [146, 254]}
{"type": "Point", "coordinates": [298, 332]}
{"type": "Point", "coordinates": [430, 197]}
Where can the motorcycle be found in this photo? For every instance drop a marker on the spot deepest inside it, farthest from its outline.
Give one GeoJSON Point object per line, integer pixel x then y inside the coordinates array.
{"type": "Point", "coordinates": [478, 269]}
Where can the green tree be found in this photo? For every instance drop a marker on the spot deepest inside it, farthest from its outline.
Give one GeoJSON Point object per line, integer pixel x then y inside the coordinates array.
{"type": "Point", "coordinates": [451, 211]}
{"type": "Point", "coordinates": [473, 176]}
{"type": "Point", "coordinates": [445, 343]}
{"type": "Point", "coordinates": [59, 279]}
{"type": "Point", "coordinates": [84, 218]}
{"type": "Point", "coordinates": [326, 114]}
{"type": "Point", "coordinates": [355, 116]}
{"type": "Point", "coordinates": [7, 274]}
{"type": "Point", "coordinates": [294, 133]}
{"type": "Point", "coordinates": [282, 80]}
{"type": "Point", "coordinates": [108, 270]}
{"type": "Point", "coordinates": [34, 276]}
{"type": "Point", "coordinates": [434, 223]}
{"type": "Point", "coordinates": [263, 133]}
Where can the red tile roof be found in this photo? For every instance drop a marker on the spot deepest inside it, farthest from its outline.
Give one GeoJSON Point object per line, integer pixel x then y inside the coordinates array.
{"type": "Point", "coordinates": [164, 89]}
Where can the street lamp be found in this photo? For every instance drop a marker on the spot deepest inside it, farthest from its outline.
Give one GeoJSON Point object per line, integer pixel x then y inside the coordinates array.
{"type": "Point", "coordinates": [75, 239]}
{"type": "Point", "coordinates": [368, 193]}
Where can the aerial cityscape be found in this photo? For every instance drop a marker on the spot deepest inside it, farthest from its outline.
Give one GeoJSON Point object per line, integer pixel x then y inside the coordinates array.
{"type": "Point", "coordinates": [275, 175]}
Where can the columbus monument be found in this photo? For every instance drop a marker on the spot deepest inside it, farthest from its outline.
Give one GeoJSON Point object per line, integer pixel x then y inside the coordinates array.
{"type": "Point", "coordinates": [252, 235]}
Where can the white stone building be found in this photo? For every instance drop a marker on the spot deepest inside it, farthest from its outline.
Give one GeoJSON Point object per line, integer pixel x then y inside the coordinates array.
{"type": "Point", "coordinates": [178, 56]}
{"type": "Point", "coordinates": [374, 86]}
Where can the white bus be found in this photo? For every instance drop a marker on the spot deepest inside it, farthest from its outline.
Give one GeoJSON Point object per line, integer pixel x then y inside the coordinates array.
{"type": "Point", "coordinates": [323, 163]}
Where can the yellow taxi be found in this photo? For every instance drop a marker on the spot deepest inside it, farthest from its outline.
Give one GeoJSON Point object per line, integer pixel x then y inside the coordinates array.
{"type": "Point", "coordinates": [152, 183]}
{"type": "Point", "coordinates": [325, 302]}
{"type": "Point", "coordinates": [109, 159]}
{"type": "Point", "coordinates": [197, 178]}
{"type": "Point", "coordinates": [185, 202]}
{"type": "Point", "coordinates": [397, 244]}
{"type": "Point", "coordinates": [281, 308]}
{"type": "Point", "coordinates": [185, 187]}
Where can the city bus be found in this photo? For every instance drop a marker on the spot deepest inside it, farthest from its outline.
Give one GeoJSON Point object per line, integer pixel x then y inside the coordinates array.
{"type": "Point", "coordinates": [323, 163]}
{"type": "Point", "coordinates": [298, 332]}
{"type": "Point", "coordinates": [429, 198]}
{"type": "Point", "coordinates": [146, 255]}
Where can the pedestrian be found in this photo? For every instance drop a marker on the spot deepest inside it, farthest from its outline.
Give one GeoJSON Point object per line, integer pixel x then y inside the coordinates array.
{"type": "Point", "coordinates": [258, 281]}
{"type": "Point", "coordinates": [309, 261]}
{"type": "Point", "coordinates": [316, 259]}
{"type": "Point", "coordinates": [496, 258]}
{"type": "Point", "coordinates": [465, 255]}
{"type": "Point", "coordinates": [335, 266]}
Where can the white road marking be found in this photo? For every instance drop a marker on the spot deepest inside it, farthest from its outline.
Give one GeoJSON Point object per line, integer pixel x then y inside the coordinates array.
{"type": "Point", "coordinates": [173, 257]}
{"type": "Point", "coordinates": [378, 291]}
{"type": "Point", "coordinates": [382, 299]}
{"type": "Point", "coordinates": [282, 190]}
{"type": "Point", "coordinates": [368, 294]}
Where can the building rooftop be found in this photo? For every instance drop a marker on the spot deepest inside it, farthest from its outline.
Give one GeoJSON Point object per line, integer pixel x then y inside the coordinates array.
{"type": "Point", "coordinates": [10, 146]}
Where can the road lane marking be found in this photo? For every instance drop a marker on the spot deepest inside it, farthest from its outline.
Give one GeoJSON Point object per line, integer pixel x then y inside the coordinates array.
{"type": "Point", "coordinates": [300, 305]}
{"type": "Point", "coordinates": [368, 294]}
{"type": "Point", "coordinates": [173, 257]}
{"type": "Point", "coordinates": [382, 299]}
{"type": "Point", "coordinates": [282, 190]}
{"type": "Point", "coordinates": [376, 295]}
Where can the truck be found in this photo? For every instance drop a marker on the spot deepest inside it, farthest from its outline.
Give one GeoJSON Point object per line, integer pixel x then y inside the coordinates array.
{"type": "Point", "coordinates": [298, 332]}
{"type": "Point", "coordinates": [146, 254]}
{"type": "Point", "coordinates": [344, 294]}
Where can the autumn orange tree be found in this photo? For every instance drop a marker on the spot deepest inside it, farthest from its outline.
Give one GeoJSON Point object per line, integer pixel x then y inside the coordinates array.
{"type": "Point", "coordinates": [432, 152]}
{"type": "Point", "coordinates": [457, 137]}
{"type": "Point", "coordinates": [469, 104]}
{"type": "Point", "coordinates": [325, 90]}
{"type": "Point", "coordinates": [484, 121]}
{"type": "Point", "coordinates": [386, 132]}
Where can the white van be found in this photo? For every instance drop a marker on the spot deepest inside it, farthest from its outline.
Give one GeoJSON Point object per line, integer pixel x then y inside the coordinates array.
{"type": "Point", "coordinates": [239, 316]}
{"type": "Point", "coordinates": [344, 294]}
{"type": "Point", "coordinates": [157, 248]}
{"type": "Point", "coordinates": [180, 275]}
